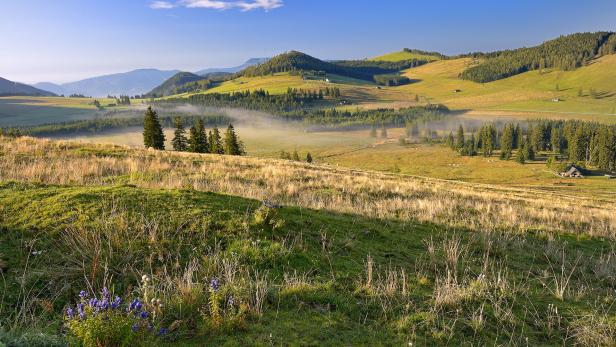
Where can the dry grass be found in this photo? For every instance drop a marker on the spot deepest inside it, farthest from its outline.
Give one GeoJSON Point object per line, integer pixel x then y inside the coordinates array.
{"type": "Point", "coordinates": [474, 206]}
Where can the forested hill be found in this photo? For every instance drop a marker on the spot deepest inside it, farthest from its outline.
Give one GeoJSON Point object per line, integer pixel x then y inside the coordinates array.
{"type": "Point", "coordinates": [10, 88]}
{"type": "Point", "coordinates": [565, 53]}
{"type": "Point", "coordinates": [176, 84]}
{"type": "Point", "coordinates": [294, 61]}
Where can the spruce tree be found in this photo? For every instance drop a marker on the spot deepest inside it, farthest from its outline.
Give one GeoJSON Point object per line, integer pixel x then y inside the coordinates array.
{"type": "Point", "coordinates": [153, 136]}
{"type": "Point", "coordinates": [180, 142]}
{"type": "Point", "coordinates": [198, 139]}
{"type": "Point", "coordinates": [295, 155]}
{"type": "Point", "coordinates": [308, 158]}
{"type": "Point", "coordinates": [232, 144]}
{"type": "Point", "coordinates": [460, 138]}
{"type": "Point", "coordinates": [216, 142]}
{"type": "Point", "coordinates": [507, 142]}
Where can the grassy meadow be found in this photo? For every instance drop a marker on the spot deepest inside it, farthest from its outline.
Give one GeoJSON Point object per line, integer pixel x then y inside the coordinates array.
{"type": "Point", "coordinates": [350, 257]}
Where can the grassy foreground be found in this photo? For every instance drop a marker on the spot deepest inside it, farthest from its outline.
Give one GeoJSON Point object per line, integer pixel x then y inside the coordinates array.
{"type": "Point", "coordinates": [356, 258]}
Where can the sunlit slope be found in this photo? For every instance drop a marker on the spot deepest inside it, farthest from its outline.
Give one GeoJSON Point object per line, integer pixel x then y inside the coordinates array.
{"type": "Point", "coordinates": [530, 91]}
{"type": "Point", "coordinates": [404, 55]}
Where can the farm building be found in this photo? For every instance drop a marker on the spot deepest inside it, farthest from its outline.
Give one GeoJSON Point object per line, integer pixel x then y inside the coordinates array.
{"type": "Point", "coordinates": [573, 172]}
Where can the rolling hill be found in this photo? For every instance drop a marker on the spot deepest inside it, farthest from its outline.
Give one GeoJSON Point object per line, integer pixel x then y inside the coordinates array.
{"type": "Point", "coordinates": [134, 82]}
{"type": "Point", "coordinates": [10, 88]}
{"type": "Point", "coordinates": [177, 81]}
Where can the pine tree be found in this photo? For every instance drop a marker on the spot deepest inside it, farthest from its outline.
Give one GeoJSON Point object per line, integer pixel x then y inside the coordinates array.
{"type": "Point", "coordinates": [518, 137]}
{"type": "Point", "coordinates": [308, 158]}
{"type": "Point", "coordinates": [460, 138]}
{"type": "Point", "coordinates": [232, 145]}
{"type": "Point", "coordinates": [215, 142]}
{"type": "Point", "coordinates": [198, 139]}
{"type": "Point", "coordinates": [295, 155]}
{"type": "Point", "coordinates": [556, 140]}
{"type": "Point", "coordinates": [507, 142]}
{"type": "Point", "coordinates": [528, 151]}
{"type": "Point", "coordinates": [520, 155]}
{"type": "Point", "coordinates": [153, 136]}
{"type": "Point", "coordinates": [180, 142]}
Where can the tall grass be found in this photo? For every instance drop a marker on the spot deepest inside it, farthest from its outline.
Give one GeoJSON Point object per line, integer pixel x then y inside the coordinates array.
{"type": "Point", "coordinates": [473, 206]}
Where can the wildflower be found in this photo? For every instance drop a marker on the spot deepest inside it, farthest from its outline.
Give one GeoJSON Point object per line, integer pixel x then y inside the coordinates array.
{"type": "Point", "coordinates": [104, 304]}
{"type": "Point", "coordinates": [105, 293]}
{"type": "Point", "coordinates": [230, 301]}
{"type": "Point", "coordinates": [135, 327]}
{"type": "Point", "coordinates": [83, 294]}
{"type": "Point", "coordinates": [214, 284]}
{"type": "Point", "coordinates": [70, 313]}
{"type": "Point", "coordinates": [145, 278]}
{"type": "Point", "coordinates": [116, 302]}
{"type": "Point", "coordinates": [144, 315]}
{"type": "Point", "coordinates": [80, 310]}
{"type": "Point", "coordinates": [93, 302]}
{"type": "Point", "coordinates": [162, 331]}
{"type": "Point", "coordinates": [135, 305]}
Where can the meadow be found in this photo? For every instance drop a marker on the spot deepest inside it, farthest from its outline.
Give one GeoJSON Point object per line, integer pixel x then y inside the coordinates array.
{"type": "Point", "coordinates": [347, 256]}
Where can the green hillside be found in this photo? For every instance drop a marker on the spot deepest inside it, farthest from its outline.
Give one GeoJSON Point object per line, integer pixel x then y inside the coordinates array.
{"type": "Point", "coordinates": [564, 53]}
{"type": "Point", "coordinates": [410, 54]}
{"type": "Point", "coordinates": [357, 258]}
{"type": "Point", "coordinates": [177, 84]}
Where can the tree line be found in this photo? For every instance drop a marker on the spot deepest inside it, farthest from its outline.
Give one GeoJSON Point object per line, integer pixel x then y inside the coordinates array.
{"type": "Point", "coordinates": [197, 141]}
{"type": "Point", "coordinates": [580, 142]}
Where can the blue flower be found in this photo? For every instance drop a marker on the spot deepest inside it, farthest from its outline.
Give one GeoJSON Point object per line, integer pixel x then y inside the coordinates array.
{"type": "Point", "coordinates": [83, 294]}
{"type": "Point", "coordinates": [214, 284]}
{"type": "Point", "coordinates": [70, 313]}
{"type": "Point", "coordinates": [230, 301]}
{"type": "Point", "coordinates": [116, 302]}
{"type": "Point", "coordinates": [135, 305]}
{"type": "Point", "coordinates": [135, 327]}
{"type": "Point", "coordinates": [162, 331]}
{"type": "Point", "coordinates": [103, 305]}
{"type": "Point", "coordinates": [144, 315]}
{"type": "Point", "coordinates": [93, 302]}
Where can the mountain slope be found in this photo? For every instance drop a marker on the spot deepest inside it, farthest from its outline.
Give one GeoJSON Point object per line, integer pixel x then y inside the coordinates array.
{"type": "Point", "coordinates": [248, 63]}
{"type": "Point", "coordinates": [174, 84]}
{"type": "Point", "coordinates": [134, 82]}
{"type": "Point", "coordinates": [10, 88]}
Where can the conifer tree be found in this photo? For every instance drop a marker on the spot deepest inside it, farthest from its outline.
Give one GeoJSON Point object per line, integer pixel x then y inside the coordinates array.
{"type": "Point", "coordinates": [295, 155]}
{"type": "Point", "coordinates": [232, 144]}
{"type": "Point", "coordinates": [507, 142]}
{"type": "Point", "coordinates": [308, 158]}
{"type": "Point", "coordinates": [198, 139]}
{"type": "Point", "coordinates": [460, 138]}
{"type": "Point", "coordinates": [153, 136]}
{"type": "Point", "coordinates": [180, 142]}
{"type": "Point", "coordinates": [216, 142]}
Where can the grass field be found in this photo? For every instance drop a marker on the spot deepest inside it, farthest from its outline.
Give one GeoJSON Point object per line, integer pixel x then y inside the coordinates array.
{"type": "Point", "coordinates": [27, 111]}
{"type": "Point", "coordinates": [353, 258]}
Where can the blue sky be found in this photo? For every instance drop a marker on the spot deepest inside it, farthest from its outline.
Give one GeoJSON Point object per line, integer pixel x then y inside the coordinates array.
{"type": "Point", "coordinates": [65, 40]}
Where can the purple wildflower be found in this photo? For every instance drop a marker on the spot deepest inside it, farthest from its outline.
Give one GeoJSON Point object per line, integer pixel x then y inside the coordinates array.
{"type": "Point", "coordinates": [230, 301]}
{"type": "Point", "coordinates": [116, 303]}
{"type": "Point", "coordinates": [135, 327]}
{"type": "Point", "coordinates": [135, 305]}
{"type": "Point", "coordinates": [214, 284]}
{"type": "Point", "coordinates": [104, 304]}
{"type": "Point", "coordinates": [83, 294]}
{"type": "Point", "coordinates": [70, 313]}
{"type": "Point", "coordinates": [93, 302]}
{"type": "Point", "coordinates": [105, 293]}
{"type": "Point", "coordinates": [144, 315]}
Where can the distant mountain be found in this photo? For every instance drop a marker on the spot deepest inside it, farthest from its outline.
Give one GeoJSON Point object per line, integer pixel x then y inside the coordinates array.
{"type": "Point", "coordinates": [10, 88]}
{"type": "Point", "coordinates": [175, 83]}
{"type": "Point", "coordinates": [248, 63]}
{"type": "Point", "coordinates": [134, 82]}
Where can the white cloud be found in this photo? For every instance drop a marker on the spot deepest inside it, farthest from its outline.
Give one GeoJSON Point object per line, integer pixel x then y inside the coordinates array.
{"type": "Point", "coordinates": [161, 5]}
{"type": "Point", "coordinates": [243, 5]}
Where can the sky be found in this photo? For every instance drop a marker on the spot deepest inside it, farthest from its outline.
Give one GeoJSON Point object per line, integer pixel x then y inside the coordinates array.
{"type": "Point", "coordinates": [67, 40]}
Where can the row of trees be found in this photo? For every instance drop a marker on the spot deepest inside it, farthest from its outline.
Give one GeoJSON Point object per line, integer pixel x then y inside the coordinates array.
{"type": "Point", "coordinates": [197, 141]}
{"type": "Point", "coordinates": [586, 143]}
{"type": "Point", "coordinates": [294, 156]}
